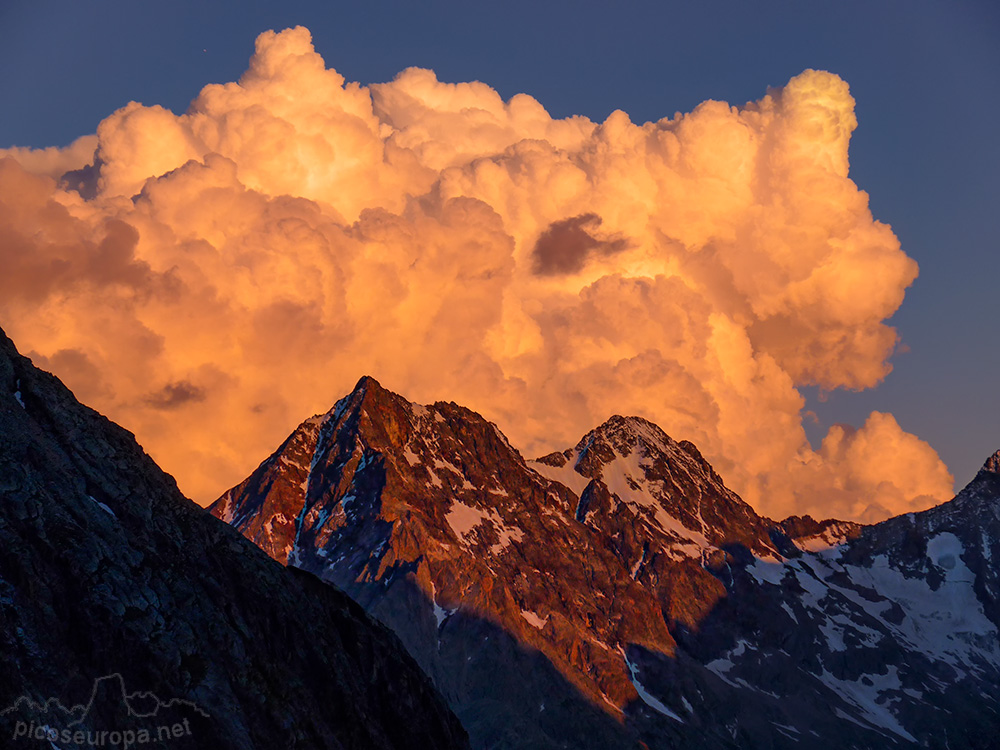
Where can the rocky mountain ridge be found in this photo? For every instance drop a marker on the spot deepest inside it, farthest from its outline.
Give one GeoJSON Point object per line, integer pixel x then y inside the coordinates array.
{"type": "Point", "coordinates": [618, 593]}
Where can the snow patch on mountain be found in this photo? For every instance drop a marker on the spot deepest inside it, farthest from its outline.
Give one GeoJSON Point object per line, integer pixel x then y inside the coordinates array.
{"type": "Point", "coordinates": [765, 571]}
{"type": "Point", "coordinates": [638, 565]}
{"type": "Point", "coordinates": [648, 698]}
{"type": "Point", "coordinates": [625, 476]}
{"type": "Point", "coordinates": [565, 475]}
{"type": "Point", "coordinates": [947, 623]}
{"type": "Point", "coordinates": [104, 507]}
{"type": "Point", "coordinates": [284, 460]}
{"type": "Point", "coordinates": [449, 466]}
{"type": "Point", "coordinates": [441, 614]}
{"type": "Point", "coordinates": [507, 535]}
{"type": "Point", "coordinates": [872, 695]}
{"type": "Point", "coordinates": [464, 518]}
{"type": "Point", "coordinates": [279, 519]}
{"type": "Point", "coordinates": [411, 458]}
{"type": "Point", "coordinates": [533, 619]}
{"type": "Point", "coordinates": [945, 550]}
{"type": "Point", "coordinates": [228, 506]}
{"type": "Point", "coordinates": [724, 664]}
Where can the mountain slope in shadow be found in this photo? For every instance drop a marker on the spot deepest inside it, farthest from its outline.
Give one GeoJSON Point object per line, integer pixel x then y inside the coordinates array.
{"type": "Point", "coordinates": [107, 571]}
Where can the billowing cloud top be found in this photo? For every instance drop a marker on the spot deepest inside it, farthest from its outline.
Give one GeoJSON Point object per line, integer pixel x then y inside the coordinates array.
{"type": "Point", "coordinates": [211, 278]}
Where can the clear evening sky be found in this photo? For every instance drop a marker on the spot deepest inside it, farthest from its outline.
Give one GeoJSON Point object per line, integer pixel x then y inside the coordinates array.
{"type": "Point", "coordinates": [925, 77]}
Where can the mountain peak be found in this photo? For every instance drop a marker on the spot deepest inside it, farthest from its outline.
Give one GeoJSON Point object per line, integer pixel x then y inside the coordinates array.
{"type": "Point", "coordinates": [368, 395]}
{"type": "Point", "coordinates": [621, 436]}
{"type": "Point", "coordinates": [365, 382]}
{"type": "Point", "coordinates": [670, 485]}
{"type": "Point", "coordinates": [631, 424]}
{"type": "Point", "coordinates": [367, 388]}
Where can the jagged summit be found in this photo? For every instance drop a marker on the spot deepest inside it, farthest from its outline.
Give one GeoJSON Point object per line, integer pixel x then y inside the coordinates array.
{"type": "Point", "coordinates": [368, 394]}
{"type": "Point", "coordinates": [629, 426]}
{"type": "Point", "coordinates": [365, 381]}
{"type": "Point", "coordinates": [369, 387]}
{"type": "Point", "coordinates": [618, 435]}
{"type": "Point", "coordinates": [669, 484]}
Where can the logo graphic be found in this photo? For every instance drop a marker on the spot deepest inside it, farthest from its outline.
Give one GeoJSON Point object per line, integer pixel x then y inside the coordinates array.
{"type": "Point", "coordinates": [111, 718]}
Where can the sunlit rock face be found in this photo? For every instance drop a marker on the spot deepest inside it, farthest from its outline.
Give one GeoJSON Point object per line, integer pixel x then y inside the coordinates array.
{"type": "Point", "coordinates": [112, 581]}
{"type": "Point", "coordinates": [618, 592]}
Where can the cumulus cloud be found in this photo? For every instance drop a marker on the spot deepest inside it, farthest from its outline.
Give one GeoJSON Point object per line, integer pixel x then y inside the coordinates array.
{"type": "Point", "coordinates": [211, 278]}
{"type": "Point", "coordinates": [55, 162]}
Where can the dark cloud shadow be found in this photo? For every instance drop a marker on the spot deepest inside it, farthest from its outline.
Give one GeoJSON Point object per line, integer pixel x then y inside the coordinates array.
{"type": "Point", "coordinates": [565, 246]}
{"type": "Point", "coordinates": [175, 395]}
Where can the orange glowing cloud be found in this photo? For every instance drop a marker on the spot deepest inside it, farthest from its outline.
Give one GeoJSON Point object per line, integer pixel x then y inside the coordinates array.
{"type": "Point", "coordinates": [209, 279]}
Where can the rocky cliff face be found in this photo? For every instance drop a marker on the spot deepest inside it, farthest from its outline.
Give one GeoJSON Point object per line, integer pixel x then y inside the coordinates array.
{"type": "Point", "coordinates": [125, 602]}
{"type": "Point", "coordinates": [618, 593]}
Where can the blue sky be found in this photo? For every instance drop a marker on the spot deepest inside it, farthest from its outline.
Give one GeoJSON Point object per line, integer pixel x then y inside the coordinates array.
{"type": "Point", "coordinates": [925, 76]}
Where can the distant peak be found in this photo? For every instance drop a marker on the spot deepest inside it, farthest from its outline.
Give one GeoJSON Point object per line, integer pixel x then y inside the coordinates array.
{"type": "Point", "coordinates": [635, 425]}
{"type": "Point", "coordinates": [992, 464]}
{"type": "Point", "coordinates": [618, 436]}
{"type": "Point", "coordinates": [369, 391]}
{"type": "Point", "coordinates": [627, 431]}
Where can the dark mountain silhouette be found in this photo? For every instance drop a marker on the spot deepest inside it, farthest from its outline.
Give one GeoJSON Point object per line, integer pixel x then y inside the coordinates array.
{"type": "Point", "coordinates": [617, 593]}
{"type": "Point", "coordinates": [107, 571]}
